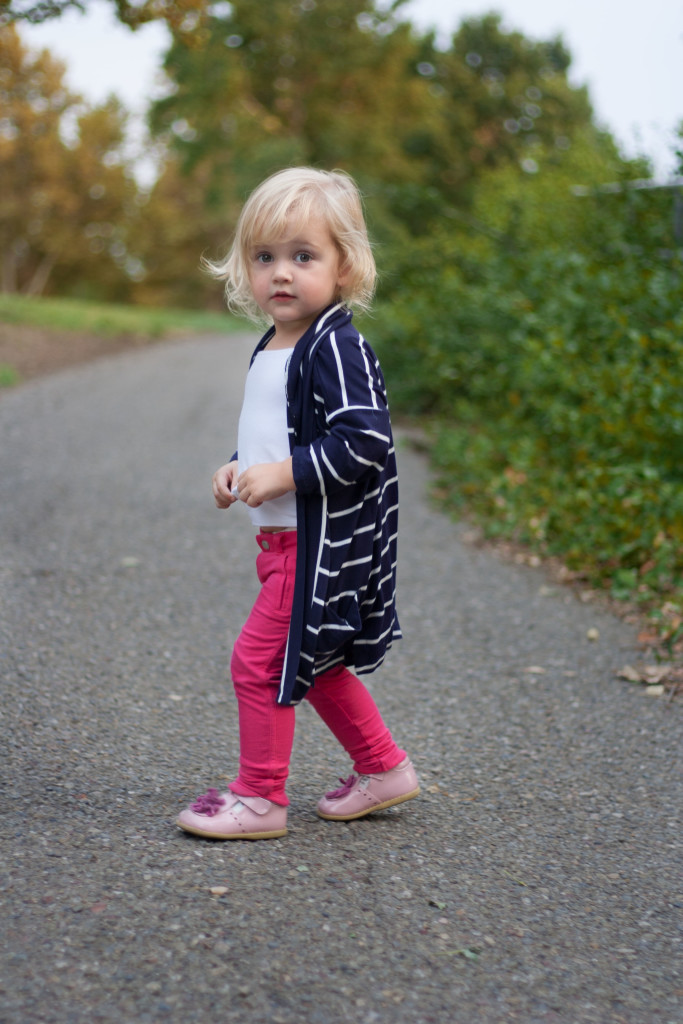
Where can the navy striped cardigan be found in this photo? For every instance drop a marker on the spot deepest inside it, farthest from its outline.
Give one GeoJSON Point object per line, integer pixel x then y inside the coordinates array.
{"type": "Point", "coordinates": [344, 467]}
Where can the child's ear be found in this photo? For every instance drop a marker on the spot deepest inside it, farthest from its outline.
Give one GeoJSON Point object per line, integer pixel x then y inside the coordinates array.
{"type": "Point", "coordinates": [343, 274]}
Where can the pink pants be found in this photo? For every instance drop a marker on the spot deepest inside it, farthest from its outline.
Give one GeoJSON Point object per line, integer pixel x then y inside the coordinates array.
{"type": "Point", "coordinates": [339, 697]}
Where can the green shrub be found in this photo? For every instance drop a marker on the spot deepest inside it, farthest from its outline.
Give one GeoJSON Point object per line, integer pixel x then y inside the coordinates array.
{"type": "Point", "coordinates": [554, 385]}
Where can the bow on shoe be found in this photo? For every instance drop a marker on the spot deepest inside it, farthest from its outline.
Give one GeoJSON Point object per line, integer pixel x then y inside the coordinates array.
{"type": "Point", "coordinates": [208, 803]}
{"type": "Point", "coordinates": [345, 788]}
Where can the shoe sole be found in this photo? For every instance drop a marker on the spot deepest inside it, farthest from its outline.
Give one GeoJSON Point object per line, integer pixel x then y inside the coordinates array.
{"type": "Point", "coordinates": [370, 810]}
{"type": "Point", "coordinates": [276, 834]}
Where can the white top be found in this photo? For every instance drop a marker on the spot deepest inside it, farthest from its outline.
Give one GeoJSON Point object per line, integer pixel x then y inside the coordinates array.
{"type": "Point", "coordinates": [262, 433]}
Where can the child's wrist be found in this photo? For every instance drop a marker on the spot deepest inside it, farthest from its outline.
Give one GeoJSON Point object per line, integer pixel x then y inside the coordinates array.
{"type": "Point", "coordinates": [287, 475]}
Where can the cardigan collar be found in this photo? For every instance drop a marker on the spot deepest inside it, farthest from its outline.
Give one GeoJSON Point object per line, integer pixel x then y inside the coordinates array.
{"type": "Point", "coordinates": [331, 318]}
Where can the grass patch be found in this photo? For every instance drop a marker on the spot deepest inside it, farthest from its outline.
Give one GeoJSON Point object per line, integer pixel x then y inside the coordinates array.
{"type": "Point", "coordinates": [108, 320]}
{"type": "Point", "coordinates": [9, 377]}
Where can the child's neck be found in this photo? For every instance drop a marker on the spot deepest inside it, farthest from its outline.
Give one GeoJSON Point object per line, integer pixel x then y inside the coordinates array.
{"type": "Point", "coordinates": [286, 335]}
{"type": "Point", "coordinates": [283, 340]}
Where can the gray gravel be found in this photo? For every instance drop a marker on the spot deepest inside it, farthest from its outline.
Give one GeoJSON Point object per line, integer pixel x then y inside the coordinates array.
{"type": "Point", "coordinates": [534, 880]}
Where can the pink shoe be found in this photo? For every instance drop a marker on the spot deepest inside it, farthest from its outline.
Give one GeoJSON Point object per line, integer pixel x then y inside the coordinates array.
{"type": "Point", "coordinates": [360, 795]}
{"type": "Point", "coordinates": [217, 815]}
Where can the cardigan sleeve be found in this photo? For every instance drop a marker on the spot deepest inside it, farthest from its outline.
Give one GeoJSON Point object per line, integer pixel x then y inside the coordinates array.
{"type": "Point", "coordinates": [352, 414]}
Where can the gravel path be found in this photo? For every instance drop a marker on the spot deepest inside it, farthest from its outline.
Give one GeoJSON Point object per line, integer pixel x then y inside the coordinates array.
{"type": "Point", "coordinates": [535, 879]}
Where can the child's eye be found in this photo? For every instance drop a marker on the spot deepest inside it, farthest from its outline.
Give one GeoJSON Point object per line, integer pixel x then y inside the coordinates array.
{"type": "Point", "coordinates": [303, 257]}
{"type": "Point", "coordinates": [263, 257]}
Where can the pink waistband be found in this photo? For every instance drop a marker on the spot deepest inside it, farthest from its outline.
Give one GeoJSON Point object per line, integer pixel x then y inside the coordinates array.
{"type": "Point", "coordinates": [285, 540]}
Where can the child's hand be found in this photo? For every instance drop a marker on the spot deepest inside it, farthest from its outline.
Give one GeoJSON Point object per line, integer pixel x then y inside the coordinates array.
{"type": "Point", "coordinates": [265, 481]}
{"type": "Point", "coordinates": [224, 480]}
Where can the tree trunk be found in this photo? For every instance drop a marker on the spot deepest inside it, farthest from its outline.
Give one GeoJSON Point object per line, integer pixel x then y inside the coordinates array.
{"type": "Point", "coordinates": [8, 282]}
{"type": "Point", "coordinates": [36, 285]}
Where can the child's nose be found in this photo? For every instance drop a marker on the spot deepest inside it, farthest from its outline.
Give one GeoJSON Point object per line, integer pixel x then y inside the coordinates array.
{"type": "Point", "coordinates": [282, 271]}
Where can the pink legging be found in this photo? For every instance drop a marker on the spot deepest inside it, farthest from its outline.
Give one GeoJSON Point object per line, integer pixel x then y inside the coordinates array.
{"type": "Point", "coordinates": [339, 697]}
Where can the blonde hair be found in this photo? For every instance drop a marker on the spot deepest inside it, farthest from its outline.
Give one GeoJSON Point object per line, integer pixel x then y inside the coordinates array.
{"type": "Point", "coordinates": [302, 193]}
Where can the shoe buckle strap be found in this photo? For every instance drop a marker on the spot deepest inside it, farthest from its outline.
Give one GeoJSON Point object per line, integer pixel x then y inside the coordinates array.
{"type": "Point", "coordinates": [258, 804]}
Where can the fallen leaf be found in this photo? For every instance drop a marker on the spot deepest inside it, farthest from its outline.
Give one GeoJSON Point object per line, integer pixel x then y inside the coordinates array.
{"type": "Point", "coordinates": [652, 676]}
{"type": "Point", "coordinates": [654, 691]}
{"type": "Point", "coordinates": [630, 673]}
{"type": "Point", "coordinates": [655, 673]}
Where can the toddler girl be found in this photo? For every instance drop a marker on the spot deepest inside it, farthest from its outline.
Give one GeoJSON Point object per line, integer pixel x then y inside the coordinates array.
{"type": "Point", "coordinates": [316, 469]}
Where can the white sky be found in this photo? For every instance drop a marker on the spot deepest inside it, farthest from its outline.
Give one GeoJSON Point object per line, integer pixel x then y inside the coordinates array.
{"type": "Point", "coordinates": [628, 53]}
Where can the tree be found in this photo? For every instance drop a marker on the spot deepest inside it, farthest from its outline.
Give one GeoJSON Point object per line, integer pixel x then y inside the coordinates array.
{"type": "Point", "coordinates": [169, 234]}
{"type": "Point", "coordinates": [63, 207]}
{"type": "Point", "coordinates": [184, 17]}
{"type": "Point", "coordinates": [499, 94]}
{"type": "Point", "coordinates": [319, 83]}
{"type": "Point", "coordinates": [347, 83]}
{"type": "Point", "coordinates": [96, 257]}
{"type": "Point", "coordinates": [31, 160]}
{"type": "Point", "coordinates": [276, 85]}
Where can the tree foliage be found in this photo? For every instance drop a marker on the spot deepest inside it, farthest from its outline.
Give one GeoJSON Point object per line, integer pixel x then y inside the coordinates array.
{"type": "Point", "coordinates": [436, 135]}
{"type": "Point", "coordinates": [348, 84]}
{"type": "Point", "coordinates": [284, 82]}
{"type": "Point", "coordinates": [184, 17]}
{"type": "Point", "coordinates": [171, 231]}
{"type": "Point", "coordinates": [544, 338]}
{"type": "Point", "coordinates": [63, 208]}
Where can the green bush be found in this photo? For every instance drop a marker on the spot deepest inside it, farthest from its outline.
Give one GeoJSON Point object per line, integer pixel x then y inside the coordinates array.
{"type": "Point", "coordinates": [553, 383]}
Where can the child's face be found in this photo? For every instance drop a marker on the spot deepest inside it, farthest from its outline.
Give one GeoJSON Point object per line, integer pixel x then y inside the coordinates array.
{"type": "Point", "coordinates": [295, 277]}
